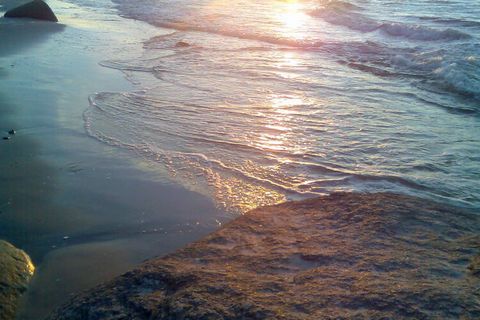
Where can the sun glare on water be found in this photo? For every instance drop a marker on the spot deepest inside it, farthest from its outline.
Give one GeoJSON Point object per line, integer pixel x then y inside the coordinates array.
{"type": "Point", "coordinates": [292, 18]}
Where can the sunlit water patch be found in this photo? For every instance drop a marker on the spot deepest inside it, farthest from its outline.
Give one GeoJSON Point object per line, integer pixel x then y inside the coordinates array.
{"type": "Point", "coordinates": [258, 102]}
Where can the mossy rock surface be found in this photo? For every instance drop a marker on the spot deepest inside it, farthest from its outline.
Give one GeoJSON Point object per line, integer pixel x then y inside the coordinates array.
{"type": "Point", "coordinates": [16, 270]}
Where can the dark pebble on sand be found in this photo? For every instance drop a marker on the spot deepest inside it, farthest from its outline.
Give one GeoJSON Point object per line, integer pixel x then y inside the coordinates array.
{"type": "Point", "coordinates": [6, 138]}
{"type": "Point", "coordinates": [12, 132]}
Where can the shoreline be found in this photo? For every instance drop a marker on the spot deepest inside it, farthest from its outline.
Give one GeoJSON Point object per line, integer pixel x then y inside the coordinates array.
{"type": "Point", "coordinates": [68, 199]}
{"type": "Point", "coordinates": [77, 205]}
{"type": "Point", "coordinates": [343, 256]}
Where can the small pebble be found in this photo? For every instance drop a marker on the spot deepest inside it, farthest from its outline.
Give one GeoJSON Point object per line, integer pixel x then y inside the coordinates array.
{"type": "Point", "coordinates": [182, 44]}
{"type": "Point", "coordinates": [6, 138]}
{"type": "Point", "coordinates": [12, 132]}
{"type": "Point", "coordinates": [66, 238]}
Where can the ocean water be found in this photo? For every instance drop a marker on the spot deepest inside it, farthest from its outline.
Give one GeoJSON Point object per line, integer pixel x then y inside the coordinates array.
{"type": "Point", "coordinates": [256, 102]}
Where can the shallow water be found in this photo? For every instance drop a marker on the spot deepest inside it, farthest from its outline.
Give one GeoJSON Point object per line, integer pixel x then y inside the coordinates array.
{"type": "Point", "coordinates": [256, 102]}
{"type": "Point", "coordinates": [82, 210]}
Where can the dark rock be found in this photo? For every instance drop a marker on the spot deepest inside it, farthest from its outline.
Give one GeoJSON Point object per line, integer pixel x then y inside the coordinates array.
{"type": "Point", "coordinates": [6, 138]}
{"type": "Point", "coordinates": [36, 9]}
{"type": "Point", "coordinates": [16, 269]}
{"type": "Point", "coordinates": [474, 266]}
{"type": "Point", "coordinates": [12, 132]}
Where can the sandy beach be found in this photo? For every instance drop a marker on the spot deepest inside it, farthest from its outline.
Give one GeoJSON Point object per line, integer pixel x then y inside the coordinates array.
{"type": "Point", "coordinates": [70, 202]}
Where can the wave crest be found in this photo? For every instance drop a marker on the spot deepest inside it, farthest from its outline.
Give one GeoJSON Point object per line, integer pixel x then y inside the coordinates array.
{"type": "Point", "coordinates": [343, 16]}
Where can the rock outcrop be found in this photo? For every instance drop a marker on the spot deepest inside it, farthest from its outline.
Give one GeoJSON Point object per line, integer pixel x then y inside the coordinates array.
{"type": "Point", "coordinates": [345, 256]}
{"type": "Point", "coordinates": [36, 9]}
{"type": "Point", "coordinates": [16, 269]}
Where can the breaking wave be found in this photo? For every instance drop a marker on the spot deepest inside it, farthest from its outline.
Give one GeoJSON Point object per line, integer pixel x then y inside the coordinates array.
{"type": "Point", "coordinates": [354, 20]}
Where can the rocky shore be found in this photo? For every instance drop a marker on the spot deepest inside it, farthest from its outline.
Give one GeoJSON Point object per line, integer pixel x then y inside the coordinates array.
{"type": "Point", "coordinates": [16, 269]}
{"type": "Point", "coordinates": [344, 256]}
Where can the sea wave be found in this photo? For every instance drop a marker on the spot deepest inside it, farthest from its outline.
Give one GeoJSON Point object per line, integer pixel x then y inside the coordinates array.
{"type": "Point", "coordinates": [232, 105]}
{"type": "Point", "coordinates": [214, 159]}
{"type": "Point", "coordinates": [358, 22]}
{"type": "Point", "coordinates": [452, 21]}
{"type": "Point", "coordinates": [457, 71]}
{"type": "Point", "coordinates": [449, 71]}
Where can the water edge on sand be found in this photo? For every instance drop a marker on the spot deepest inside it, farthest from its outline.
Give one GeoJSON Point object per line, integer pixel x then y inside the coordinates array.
{"type": "Point", "coordinates": [83, 211]}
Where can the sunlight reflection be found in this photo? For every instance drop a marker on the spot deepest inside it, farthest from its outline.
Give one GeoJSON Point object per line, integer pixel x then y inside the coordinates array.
{"type": "Point", "coordinates": [290, 59]}
{"type": "Point", "coordinates": [288, 64]}
{"type": "Point", "coordinates": [292, 17]}
{"type": "Point", "coordinates": [283, 105]}
{"type": "Point", "coordinates": [278, 131]}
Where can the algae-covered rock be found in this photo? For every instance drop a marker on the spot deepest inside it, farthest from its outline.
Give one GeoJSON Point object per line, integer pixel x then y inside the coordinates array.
{"type": "Point", "coordinates": [16, 269]}
{"type": "Point", "coordinates": [474, 266]}
{"type": "Point", "coordinates": [345, 256]}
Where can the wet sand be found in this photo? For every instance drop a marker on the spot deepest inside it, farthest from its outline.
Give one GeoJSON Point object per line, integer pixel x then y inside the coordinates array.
{"type": "Point", "coordinates": [80, 209]}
